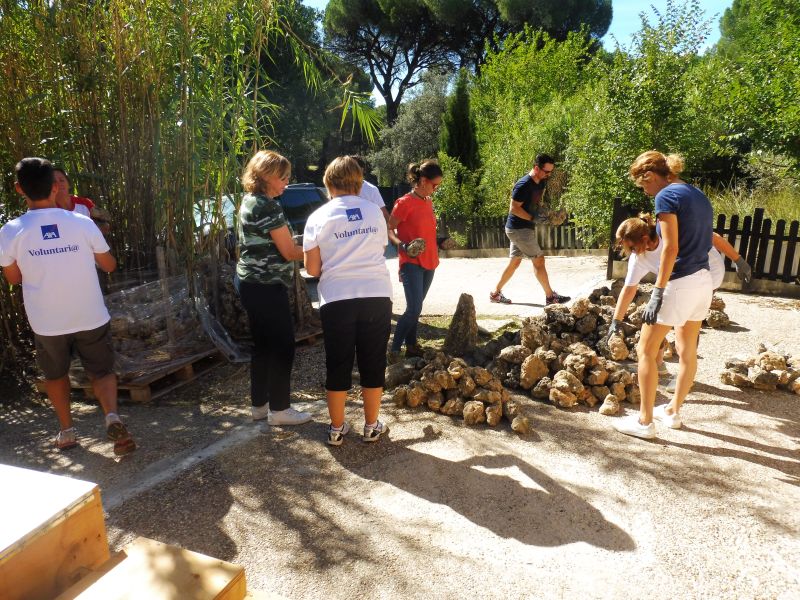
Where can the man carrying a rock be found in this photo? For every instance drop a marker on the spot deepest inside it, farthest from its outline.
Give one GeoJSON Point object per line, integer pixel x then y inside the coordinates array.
{"type": "Point", "coordinates": [525, 209]}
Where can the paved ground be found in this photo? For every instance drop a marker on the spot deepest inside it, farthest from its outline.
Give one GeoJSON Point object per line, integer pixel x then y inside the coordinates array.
{"type": "Point", "coordinates": [439, 510]}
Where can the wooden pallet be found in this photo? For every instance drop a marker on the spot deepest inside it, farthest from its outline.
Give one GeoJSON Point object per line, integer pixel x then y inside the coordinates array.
{"type": "Point", "coordinates": [152, 386]}
{"type": "Point", "coordinates": [308, 336]}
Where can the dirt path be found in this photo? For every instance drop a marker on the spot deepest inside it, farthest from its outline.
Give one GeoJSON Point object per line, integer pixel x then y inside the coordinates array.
{"type": "Point", "coordinates": [439, 510]}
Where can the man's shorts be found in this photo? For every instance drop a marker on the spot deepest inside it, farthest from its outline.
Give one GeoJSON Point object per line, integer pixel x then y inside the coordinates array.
{"type": "Point", "coordinates": [93, 347]}
{"type": "Point", "coordinates": [523, 243]}
{"type": "Point", "coordinates": [686, 299]}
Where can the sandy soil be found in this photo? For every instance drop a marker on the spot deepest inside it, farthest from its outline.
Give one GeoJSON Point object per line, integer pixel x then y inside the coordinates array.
{"type": "Point", "coordinates": [439, 510]}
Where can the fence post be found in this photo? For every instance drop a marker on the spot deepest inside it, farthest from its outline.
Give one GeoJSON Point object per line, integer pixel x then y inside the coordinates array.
{"type": "Point", "coordinates": [616, 219]}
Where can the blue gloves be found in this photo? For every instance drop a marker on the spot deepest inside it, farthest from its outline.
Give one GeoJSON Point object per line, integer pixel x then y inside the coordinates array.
{"type": "Point", "coordinates": [743, 270]}
{"type": "Point", "coordinates": [650, 313]}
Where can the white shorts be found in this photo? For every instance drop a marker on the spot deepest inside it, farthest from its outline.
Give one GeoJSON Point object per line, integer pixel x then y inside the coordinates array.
{"type": "Point", "coordinates": [686, 299]}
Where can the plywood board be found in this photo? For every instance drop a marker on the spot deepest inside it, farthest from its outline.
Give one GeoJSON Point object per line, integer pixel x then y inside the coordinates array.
{"type": "Point", "coordinates": [157, 571]}
{"type": "Point", "coordinates": [52, 532]}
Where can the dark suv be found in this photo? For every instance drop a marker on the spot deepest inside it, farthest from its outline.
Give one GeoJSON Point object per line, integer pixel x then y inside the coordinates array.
{"type": "Point", "coordinates": [298, 200]}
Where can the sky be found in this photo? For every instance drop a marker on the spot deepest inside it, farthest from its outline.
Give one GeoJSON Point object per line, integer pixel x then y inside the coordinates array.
{"type": "Point", "coordinates": [625, 20]}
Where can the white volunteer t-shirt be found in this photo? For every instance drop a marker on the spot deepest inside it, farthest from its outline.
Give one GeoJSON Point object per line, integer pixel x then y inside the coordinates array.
{"type": "Point", "coordinates": [54, 249]}
{"type": "Point", "coordinates": [640, 265]}
{"type": "Point", "coordinates": [372, 193]}
{"type": "Point", "coordinates": [81, 209]}
{"type": "Point", "coordinates": [351, 235]}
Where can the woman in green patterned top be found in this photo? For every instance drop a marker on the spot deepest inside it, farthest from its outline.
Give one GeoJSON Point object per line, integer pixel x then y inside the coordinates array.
{"type": "Point", "coordinates": [263, 275]}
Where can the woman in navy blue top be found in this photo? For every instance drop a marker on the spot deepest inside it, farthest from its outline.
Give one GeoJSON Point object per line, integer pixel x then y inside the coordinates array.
{"type": "Point", "coordinates": [683, 288]}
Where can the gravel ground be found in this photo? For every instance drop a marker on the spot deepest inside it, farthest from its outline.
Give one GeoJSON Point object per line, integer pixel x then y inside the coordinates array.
{"type": "Point", "coordinates": [439, 510]}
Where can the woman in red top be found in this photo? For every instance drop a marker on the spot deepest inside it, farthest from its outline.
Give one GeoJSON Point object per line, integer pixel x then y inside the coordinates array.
{"type": "Point", "coordinates": [413, 218]}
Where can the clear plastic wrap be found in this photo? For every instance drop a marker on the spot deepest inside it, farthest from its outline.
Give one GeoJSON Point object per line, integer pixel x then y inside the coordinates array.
{"type": "Point", "coordinates": [155, 326]}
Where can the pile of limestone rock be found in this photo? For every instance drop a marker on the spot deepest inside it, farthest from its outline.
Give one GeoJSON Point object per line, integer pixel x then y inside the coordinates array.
{"type": "Point", "coordinates": [562, 356]}
{"type": "Point", "coordinates": [450, 386]}
{"type": "Point", "coordinates": [768, 370]}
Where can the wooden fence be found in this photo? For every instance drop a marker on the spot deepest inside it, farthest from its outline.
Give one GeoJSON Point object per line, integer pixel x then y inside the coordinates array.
{"type": "Point", "coordinates": [773, 255]}
{"type": "Point", "coordinates": [489, 232]}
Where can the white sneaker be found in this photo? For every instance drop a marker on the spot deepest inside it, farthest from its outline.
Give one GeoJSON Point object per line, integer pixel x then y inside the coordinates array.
{"type": "Point", "coordinates": [260, 412]}
{"type": "Point", "coordinates": [672, 421]}
{"type": "Point", "coordinates": [336, 437]}
{"type": "Point", "coordinates": [290, 416]}
{"type": "Point", "coordinates": [630, 426]}
{"type": "Point", "coordinates": [372, 434]}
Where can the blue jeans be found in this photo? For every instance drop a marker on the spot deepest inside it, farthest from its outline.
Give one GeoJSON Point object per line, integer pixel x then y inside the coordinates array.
{"type": "Point", "coordinates": [416, 282]}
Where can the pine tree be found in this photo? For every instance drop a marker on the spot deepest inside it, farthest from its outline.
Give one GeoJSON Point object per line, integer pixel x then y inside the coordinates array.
{"type": "Point", "coordinates": [457, 138]}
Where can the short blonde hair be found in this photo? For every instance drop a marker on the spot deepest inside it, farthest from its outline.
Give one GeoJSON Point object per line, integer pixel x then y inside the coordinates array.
{"type": "Point", "coordinates": [263, 164]}
{"type": "Point", "coordinates": [653, 160]}
{"type": "Point", "coordinates": [343, 175]}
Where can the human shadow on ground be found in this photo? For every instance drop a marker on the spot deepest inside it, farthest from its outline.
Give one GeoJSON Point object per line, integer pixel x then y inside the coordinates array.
{"type": "Point", "coordinates": [533, 304]}
{"type": "Point", "coordinates": [550, 516]}
{"type": "Point", "coordinates": [778, 405]}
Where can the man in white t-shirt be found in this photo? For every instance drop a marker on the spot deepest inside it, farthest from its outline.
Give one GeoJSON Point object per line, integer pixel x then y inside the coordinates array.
{"type": "Point", "coordinates": [52, 253]}
{"type": "Point", "coordinates": [370, 192]}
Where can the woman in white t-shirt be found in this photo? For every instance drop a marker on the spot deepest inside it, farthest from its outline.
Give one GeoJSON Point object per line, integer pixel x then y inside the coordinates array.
{"type": "Point", "coordinates": [637, 238]}
{"type": "Point", "coordinates": [343, 244]}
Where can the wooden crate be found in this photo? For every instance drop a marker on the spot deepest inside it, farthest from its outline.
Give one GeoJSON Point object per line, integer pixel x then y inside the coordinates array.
{"type": "Point", "coordinates": [152, 386]}
{"type": "Point", "coordinates": [52, 533]}
{"type": "Point", "coordinates": [150, 570]}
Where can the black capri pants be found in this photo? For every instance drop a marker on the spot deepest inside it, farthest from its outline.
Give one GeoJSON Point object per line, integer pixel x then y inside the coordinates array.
{"type": "Point", "coordinates": [357, 327]}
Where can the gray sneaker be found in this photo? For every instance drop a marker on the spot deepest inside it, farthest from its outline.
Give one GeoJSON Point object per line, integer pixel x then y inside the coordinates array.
{"type": "Point", "coordinates": [290, 416]}
{"type": "Point", "coordinates": [335, 436]}
{"type": "Point", "coordinates": [371, 434]}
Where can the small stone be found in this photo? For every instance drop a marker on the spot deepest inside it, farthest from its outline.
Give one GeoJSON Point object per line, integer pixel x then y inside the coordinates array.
{"type": "Point", "coordinates": [737, 365]}
{"type": "Point", "coordinates": [474, 413]}
{"type": "Point", "coordinates": [580, 308]}
{"type": "Point", "coordinates": [533, 336]}
{"type": "Point", "coordinates": [795, 387]}
{"type": "Point", "coordinates": [586, 324]}
{"type": "Point", "coordinates": [444, 379]}
{"type": "Point", "coordinates": [717, 303]}
{"type": "Point", "coordinates": [521, 424]}
{"type": "Point", "coordinates": [400, 394]}
{"type": "Point", "coordinates": [587, 398]}
{"type": "Point", "coordinates": [620, 374]}
{"type": "Point", "coordinates": [531, 371]}
{"type": "Point", "coordinates": [435, 400]}
{"type": "Point", "coordinates": [415, 396]}
{"type": "Point", "coordinates": [735, 378]}
{"type": "Point", "coordinates": [466, 386]}
{"type": "Point", "coordinates": [762, 380]}
{"type": "Point", "coordinates": [563, 398]}
{"type": "Point", "coordinates": [515, 354]}
{"type": "Point", "coordinates": [542, 388]}
{"type": "Point", "coordinates": [617, 348]}
{"type": "Point", "coordinates": [618, 389]}
{"type": "Point", "coordinates": [608, 301]}
{"type": "Point", "coordinates": [480, 375]}
{"type": "Point", "coordinates": [494, 413]}
{"type": "Point", "coordinates": [566, 381]}
{"type": "Point", "coordinates": [600, 391]}
{"type": "Point", "coordinates": [633, 394]}
{"type": "Point", "coordinates": [487, 396]}
{"type": "Point", "coordinates": [430, 384]}
{"type": "Point", "coordinates": [611, 406]}
{"type": "Point", "coordinates": [716, 319]}
{"type": "Point", "coordinates": [453, 407]}
{"type": "Point", "coordinates": [771, 361]}
{"type": "Point", "coordinates": [398, 374]}
{"type": "Point", "coordinates": [597, 376]}
{"type": "Point", "coordinates": [456, 369]}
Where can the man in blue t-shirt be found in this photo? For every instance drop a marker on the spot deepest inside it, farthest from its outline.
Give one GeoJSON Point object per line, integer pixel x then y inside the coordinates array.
{"type": "Point", "coordinates": [525, 208]}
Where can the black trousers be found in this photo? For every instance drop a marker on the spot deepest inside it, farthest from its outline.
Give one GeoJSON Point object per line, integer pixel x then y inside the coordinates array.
{"type": "Point", "coordinates": [356, 327]}
{"type": "Point", "coordinates": [272, 328]}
